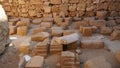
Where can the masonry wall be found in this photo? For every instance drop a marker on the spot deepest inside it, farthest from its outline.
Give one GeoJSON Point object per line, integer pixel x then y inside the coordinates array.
{"type": "Point", "coordinates": [63, 8]}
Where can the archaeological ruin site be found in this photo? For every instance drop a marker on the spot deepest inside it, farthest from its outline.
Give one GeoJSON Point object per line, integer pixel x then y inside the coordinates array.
{"type": "Point", "coordinates": [59, 33]}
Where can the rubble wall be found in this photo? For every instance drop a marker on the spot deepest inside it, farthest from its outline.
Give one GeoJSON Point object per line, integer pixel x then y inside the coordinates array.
{"type": "Point", "coordinates": [63, 8]}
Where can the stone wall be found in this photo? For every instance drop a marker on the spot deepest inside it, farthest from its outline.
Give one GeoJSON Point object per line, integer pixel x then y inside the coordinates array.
{"type": "Point", "coordinates": [63, 8]}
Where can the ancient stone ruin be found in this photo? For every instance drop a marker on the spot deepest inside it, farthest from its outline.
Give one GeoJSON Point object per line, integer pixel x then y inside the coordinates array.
{"type": "Point", "coordinates": [59, 33]}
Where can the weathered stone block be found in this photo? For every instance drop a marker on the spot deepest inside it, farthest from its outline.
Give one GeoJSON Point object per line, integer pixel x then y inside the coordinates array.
{"type": "Point", "coordinates": [39, 29]}
{"type": "Point", "coordinates": [12, 30]}
{"type": "Point", "coordinates": [47, 9]}
{"type": "Point", "coordinates": [22, 30]}
{"type": "Point", "coordinates": [36, 21]}
{"type": "Point", "coordinates": [101, 63]}
{"type": "Point", "coordinates": [46, 24]}
{"type": "Point", "coordinates": [56, 31]}
{"type": "Point", "coordinates": [92, 43]}
{"type": "Point", "coordinates": [115, 35]}
{"type": "Point", "coordinates": [41, 36]}
{"type": "Point", "coordinates": [101, 14]}
{"type": "Point", "coordinates": [35, 62]}
{"type": "Point", "coordinates": [117, 56]}
{"type": "Point", "coordinates": [86, 31]}
{"type": "Point", "coordinates": [55, 1]}
{"type": "Point", "coordinates": [105, 30]}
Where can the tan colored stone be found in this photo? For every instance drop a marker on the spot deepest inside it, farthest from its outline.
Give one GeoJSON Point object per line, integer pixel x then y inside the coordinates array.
{"type": "Point", "coordinates": [105, 30]}
{"type": "Point", "coordinates": [92, 43]}
{"type": "Point", "coordinates": [22, 30]}
{"type": "Point", "coordinates": [35, 62]}
{"type": "Point", "coordinates": [37, 21]}
{"type": "Point", "coordinates": [98, 62]}
{"type": "Point", "coordinates": [12, 30]}
{"type": "Point", "coordinates": [47, 9]}
{"type": "Point", "coordinates": [55, 1]}
{"type": "Point", "coordinates": [46, 24]}
{"type": "Point", "coordinates": [117, 56]}
{"type": "Point", "coordinates": [101, 14]}
{"type": "Point", "coordinates": [115, 35]}
{"type": "Point", "coordinates": [41, 36]}
{"type": "Point", "coordinates": [56, 31]}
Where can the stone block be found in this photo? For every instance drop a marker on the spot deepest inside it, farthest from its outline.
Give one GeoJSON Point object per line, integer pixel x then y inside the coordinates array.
{"type": "Point", "coordinates": [32, 13]}
{"type": "Point", "coordinates": [101, 63]}
{"type": "Point", "coordinates": [47, 9]}
{"type": "Point", "coordinates": [105, 30]}
{"type": "Point", "coordinates": [117, 56]}
{"type": "Point", "coordinates": [36, 21]}
{"type": "Point", "coordinates": [55, 8]}
{"type": "Point", "coordinates": [56, 31]}
{"type": "Point", "coordinates": [47, 19]}
{"type": "Point", "coordinates": [39, 29]}
{"type": "Point", "coordinates": [73, 1]}
{"type": "Point", "coordinates": [79, 24]}
{"type": "Point", "coordinates": [72, 7]}
{"type": "Point", "coordinates": [21, 23]}
{"type": "Point", "coordinates": [46, 24]}
{"type": "Point", "coordinates": [35, 62]}
{"type": "Point", "coordinates": [67, 32]}
{"type": "Point", "coordinates": [41, 36]}
{"type": "Point", "coordinates": [115, 35]}
{"type": "Point", "coordinates": [98, 23]}
{"type": "Point", "coordinates": [86, 31]}
{"type": "Point", "coordinates": [55, 1]}
{"type": "Point", "coordinates": [101, 14]}
{"type": "Point", "coordinates": [92, 43]}
{"type": "Point", "coordinates": [13, 30]}
{"type": "Point", "coordinates": [22, 30]}
{"type": "Point", "coordinates": [36, 2]}
{"type": "Point", "coordinates": [40, 49]}
{"type": "Point", "coordinates": [24, 48]}
{"type": "Point", "coordinates": [55, 48]}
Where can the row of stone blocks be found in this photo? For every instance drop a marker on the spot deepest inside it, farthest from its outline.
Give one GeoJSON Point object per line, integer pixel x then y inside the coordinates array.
{"type": "Point", "coordinates": [39, 8]}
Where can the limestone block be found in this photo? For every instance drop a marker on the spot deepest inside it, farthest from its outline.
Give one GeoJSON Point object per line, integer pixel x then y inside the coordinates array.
{"type": "Point", "coordinates": [115, 35]}
{"type": "Point", "coordinates": [86, 31]}
{"type": "Point", "coordinates": [67, 32]}
{"type": "Point", "coordinates": [72, 7]}
{"type": "Point", "coordinates": [55, 1]}
{"type": "Point", "coordinates": [35, 2]}
{"type": "Point", "coordinates": [98, 62]}
{"type": "Point", "coordinates": [47, 9]}
{"type": "Point", "coordinates": [105, 30]}
{"type": "Point", "coordinates": [55, 8]}
{"type": "Point", "coordinates": [92, 43]}
{"type": "Point", "coordinates": [73, 1]}
{"type": "Point", "coordinates": [39, 29]}
{"type": "Point", "coordinates": [12, 30]}
{"type": "Point", "coordinates": [32, 13]}
{"type": "Point", "coordinates": [22, 30]}
{"type": "Point", "coordinates": [101, 14]}
{"type": "Point", "coordinates": [35, 62]}
{"type": "Point", "coordinates": [21, 23]}
{"type": "Point", "coordinates": [98, 23]}
{"type": "Point", "coordinates": [117, 56]}
{"type": "Point", "coordinates": [41, 36]}
{"type": "Point", "coordinates": [46, 24]}
{"type": "Point", "coordinates": [56, 31]}
{"type": "Point", "coordinates": [36, 21]}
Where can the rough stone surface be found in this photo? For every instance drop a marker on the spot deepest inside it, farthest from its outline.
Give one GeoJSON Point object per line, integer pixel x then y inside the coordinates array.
{"type": "Point", "coordinates": [98, 62]}
{"type": "Point", "coordinates": [4, 30]}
